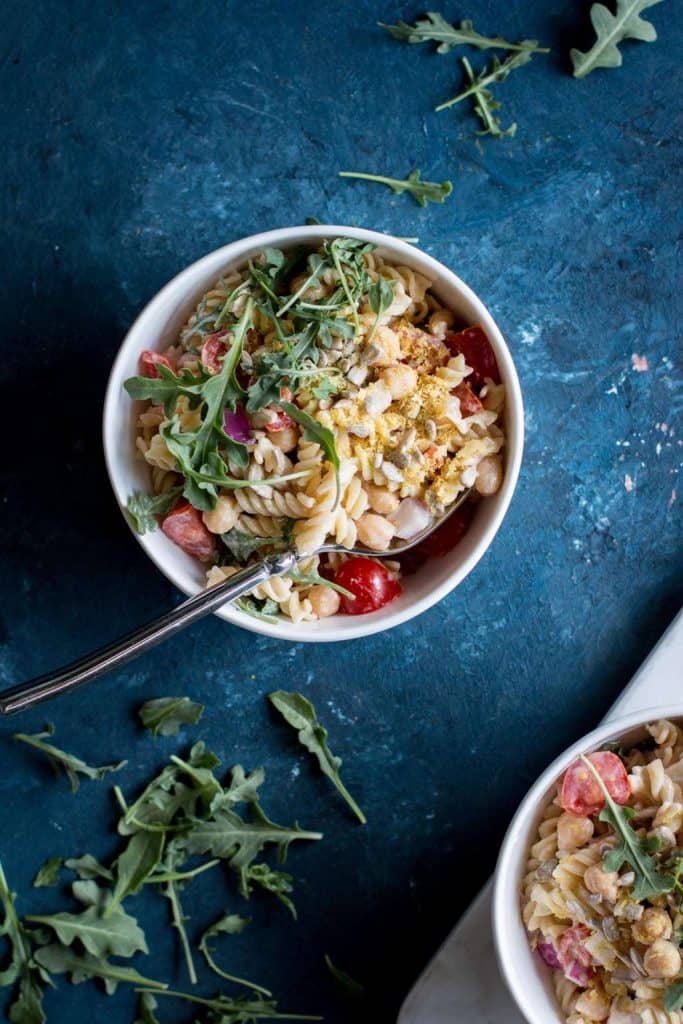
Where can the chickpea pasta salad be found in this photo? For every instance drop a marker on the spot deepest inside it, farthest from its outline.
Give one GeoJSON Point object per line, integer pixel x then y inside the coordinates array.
{"type": "Point", "coordinates": [602, 895]}
{"type": "Point", "coordinates": [317, 397]}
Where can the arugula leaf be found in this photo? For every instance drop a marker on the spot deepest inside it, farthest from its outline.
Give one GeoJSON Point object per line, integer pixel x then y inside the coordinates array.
{"type": "Point", "coordinates": [326, 387]}
{"type": "Point", "coordinates": [48, 875]}
{"type": "Point", "coordinates": [175, 855]}
{"type": "Point", "coordinates": [632, 850]}
{"type": "Point", "coordinates": [243, 545]}
{"type": "Point", "coordinates": [610, 30]}
{"type": "Point", "coordinates": [239, 1011]}
{"type": "Point", "coordinates": [484, 103]}
{"type": "Point", "coordinates": [435, 29]}
{"type": "Point", "coordinates": [27, 1007]}
{"type": "Point", "coordinates": [298, 712]}
{"type": "Point", "coordinates": [73, 766]}
{"type": "Point", "coordinates": [315, 578]}
{"type": "Point", "coordinates": [118, 935]}
{"type": "Point", "coordinates": [267, 610]}
{"type": "Point", "coordinates": [142, 508]}
{"type": "Point", "coordinates": [147, 1004]}
{"type": "Point", "coordinates": [87, 868]}
{"type": "Point", "coordinates": [380, 295]}
{"type": "Point", "coordinates": [673, 996]}
{"type": "Point", "coordinates": [57, 959]}
{"type": "Point", "coordinates": [165, 715]}
{"type": "Point", "coordinates": [140, 858]}
{"type": "Point", "coordinates": [229, 924]}
{"type": "Point", "coordinates": [347, 984]}
{"type": "Point", "coordinates": [421, 191]}
{"type": "Point", "coordinates": [314, 431]}
{"type": "Point", "coordinates": [279, 883]}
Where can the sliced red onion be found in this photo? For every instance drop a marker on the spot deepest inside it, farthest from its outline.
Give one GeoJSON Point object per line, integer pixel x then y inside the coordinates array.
{"type": "Point", "coordinates": [548, 954]}
{"type": "Point", "coordinates": [410, 518]}
{"type": "Point", "coordinates": [237, 426]}
{"type": "Point", "coordinates": [579, 973]}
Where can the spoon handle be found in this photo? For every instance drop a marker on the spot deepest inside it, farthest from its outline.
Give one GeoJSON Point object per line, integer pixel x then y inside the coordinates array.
{"type": "Point", "coordinates": [25, 695]}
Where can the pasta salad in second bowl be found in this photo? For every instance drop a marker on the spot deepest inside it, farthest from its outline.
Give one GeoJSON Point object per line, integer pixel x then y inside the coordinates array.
{"type": "Point", "coordinates": [318, 395]}
{"type": "Point", "coordinates": [601, 898]}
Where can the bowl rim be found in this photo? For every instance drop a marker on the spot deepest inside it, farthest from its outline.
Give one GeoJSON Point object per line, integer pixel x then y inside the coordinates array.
{"type": "Point", "coordinates": [505, 903]}
{"type": "Point", "coordinates": [397, 250]}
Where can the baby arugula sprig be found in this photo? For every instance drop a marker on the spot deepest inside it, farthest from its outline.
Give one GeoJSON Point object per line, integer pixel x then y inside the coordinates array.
{"type": "Point", "coordinates": [650, 879]}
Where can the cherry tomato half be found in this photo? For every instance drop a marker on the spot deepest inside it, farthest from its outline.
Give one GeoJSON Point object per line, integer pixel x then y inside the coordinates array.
{"type": "Point", "coordinates": [185, 527]}
{"type": "Point", "coordinates": [213, 351]}
{"type": "Point", "coordinates": [280, 421]}
{"type": "Point", "coordinates": [370, 582]}
{"type": "Point", "coordinates": [149, 361]}
{"type": "Point", "coordinates": [474, 344]}
{"type": "Point", "coordinates": [581, 794]}
{"type": "Point", "coordinates": [469, 402]}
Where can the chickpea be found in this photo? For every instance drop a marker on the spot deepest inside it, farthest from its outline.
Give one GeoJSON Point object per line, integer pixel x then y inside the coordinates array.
{"type": "Point", "coordinates": [224, 516]}
{"type": "Point", "coordinates": [324, 601]}
{"type": "Point", "coordinates": [593, 1004]}
{"type": "Point", "coordinates": [654, 924]}
{"type": "Point", "coordinates": [381, 499]}
{"type": "Point", "coordinates": [375, 531]}
{"type": "Point", "coordinates": [573, 832]}
{"type": "Point", "coordinates": [489, 475]}
{"type": "Point", "coordinates": [602, 883]}
{"type": "Point", "coordinates": [285, 439]}
{"type": "Point", "coordinates": [400, 380]}
{"type": "Point", "coordinates": [662, 960]}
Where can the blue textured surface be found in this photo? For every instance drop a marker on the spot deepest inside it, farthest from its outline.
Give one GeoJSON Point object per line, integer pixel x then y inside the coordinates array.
{"type": "Point", "coordinates": [138, 137]}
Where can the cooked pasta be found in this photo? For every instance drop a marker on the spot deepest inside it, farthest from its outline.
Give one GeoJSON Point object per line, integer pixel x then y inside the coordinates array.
{"type": "Point", "coordinates": [318, 398]}
{"type": "Point", "coordinates": [601, 892]}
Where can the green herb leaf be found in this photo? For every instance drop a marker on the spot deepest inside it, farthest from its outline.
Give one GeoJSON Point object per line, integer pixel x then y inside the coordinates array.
{"type": "Point", "coordinates": [423, 192]}
{"type": "Point", "coordinates": [135, 865]}
{"type": "Point", "coordinates": [611, 30]}
{"type": "Point", "coordinates": [243, 545]}
{"type": "Point", "coordinates": [27, 1007]}
{"type": "Point", "coordinates": [48, 875]}
{"type": "Point", "coordinates": [57, 959]}
{"type": "Point", "coordinates": [279, 883]}
{"type": "Point", "coordinates": [314, 431]}
{"type": "Point", "coordinates": [266, 610]}
{"type": "Point", "coordinates": [484, 103]}
{"type": "Point", "coordinates": [632, 850]}
{"type": "Point", "coordinates": [165, 715]}
{"type": "Point", "coordinates": [326, 387]}
{"type": "Point", "coordinates": [434, 28]}
{"type": "Point", "coordinates": [673, 996]}
{"type": "Point", "coordinates": [236, 1011]}
{"type": "Point", "coordinates": [146, 1006]}
{"type": "Point", "coordinates": [117, 935]}
{"type": "Point", "coordinates": [73, 766]}
{"type": "Point", "coordinates": [142, 508]}
{"type": "Point", "coordinates": [380, 295]}
{"type": "Point", "coordinates": [229, 924]}
{"type": "Point", "coordinates": [298, 712]}
{"type": "Point", "coordinates": [315, 579]}
{"type": "Point", "coordinates": [347, 984]}
{"type": "Point", "coordinates": [87, 868]}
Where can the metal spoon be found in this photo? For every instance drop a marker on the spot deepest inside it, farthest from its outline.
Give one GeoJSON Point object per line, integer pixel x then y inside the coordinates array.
{"type": "Point", "coordinates": [64, 680]}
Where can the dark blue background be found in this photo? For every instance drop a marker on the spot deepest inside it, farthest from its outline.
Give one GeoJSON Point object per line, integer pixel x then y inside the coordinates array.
{"type": "Point", "coordinates": [137, 137]}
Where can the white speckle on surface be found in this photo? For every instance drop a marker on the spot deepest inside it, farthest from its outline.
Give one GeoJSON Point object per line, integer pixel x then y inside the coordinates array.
{"type": "Point", "coordinates": [529, 332]}
{"type": "Point", "coordinates": [672, 499]}
{"type": "Point", "coordinates": [612, 391]}
{"type": "Point", "coordinates": [639, 363]}
{"type": "Point", "coordinates": [338, 713]}
{"type": "Point", "coordinates": [295, 772]}
{"type": "Point", "coordinates": [658, 448]}
{"type": "Point", "coordinates": [628, 483]}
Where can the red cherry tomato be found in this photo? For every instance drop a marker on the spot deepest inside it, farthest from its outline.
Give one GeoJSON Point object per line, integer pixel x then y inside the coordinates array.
{"type": "Point", "coordinates": [448, 535]}
{"type": "Point", "coordinates": [185, 527]}
{"type": "Point", "coordinates": [280, 421]}
{"type": "Point", "coordinates": [149, 361]}
{"type": "Point", "coordinates": [581, 794]}
{"type": "Point", "coordinates": [469, 402]}
{"type": "Point", "coordinates": [370, 582]}
{"type": "Point", "coordinates": [575, 959]}
{"type": "Point", "coordinates": [213, 351]}
{"type": "Point", "coordinates": [474, 344]}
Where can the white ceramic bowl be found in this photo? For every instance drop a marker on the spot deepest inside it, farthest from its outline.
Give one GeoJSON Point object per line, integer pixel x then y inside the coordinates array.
{"type": "Point", "coordinates": [158, 325]}
{"type": "Point", "coordinates": [528, 978]}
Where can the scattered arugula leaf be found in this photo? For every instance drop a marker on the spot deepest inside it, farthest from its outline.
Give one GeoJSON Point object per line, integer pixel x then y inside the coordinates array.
{"type": "Point", "coordinates": [48, 875]}
{"type": "Point", "coordinates": [611, 30]}
{"type": "Point", "coordinates": [147, 1004]}
{"type": "Point", "coordinates": [315, 579]}
{"type": "Point", "coordinates": [423, 192]}
{"type": "Point", "coordinates": [673, 995]}
{"type": "Point", "coordinates": [27, 1007]}
{"type": "Point", "coordinates": [229, 924]}
{"type": "Point", "coordinates": [298, 712]}
{"type": "Point", "coordinates": [279, 883]}
{"type": "Point", "coordinates": [327, 386]}
{"type": "Point", "coordinates": [347, 984]}
{"type": "Point", "coordinates": [57, 959]}
{"type": "Point", "coordinates": [314, 431]}
{"type": "Point", "coordinates": [632, 850]}
{"type": "Point", "coordinates": [73, 766]}
{"type": "Point", "coordinates": [267, 610]}
{"type": "Point", "coordinates": [165, 715]}
{"type": "Point", "coordinates": [239, 1011]}
{"type": "Point", "coordinates": [118, 935]}
{"type": "Point", "coordinates": [88, 867]}
{"type": "Point", "coordinates": [142, 508]}
{"type": "Point", "coordinates": [434, 28]}
{"type": "Point", "coordinates": [243, 545]}
{"type": "Point", "coordinates": [380, 296]}
{"type": "Point", "coordinates": [138, 861]}
{"type": "Point", "coordinates": [484, 103]}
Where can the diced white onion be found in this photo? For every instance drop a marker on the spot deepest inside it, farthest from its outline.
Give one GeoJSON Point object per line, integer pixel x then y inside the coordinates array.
{"type": "Point", "coordinates": [410, 518]}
